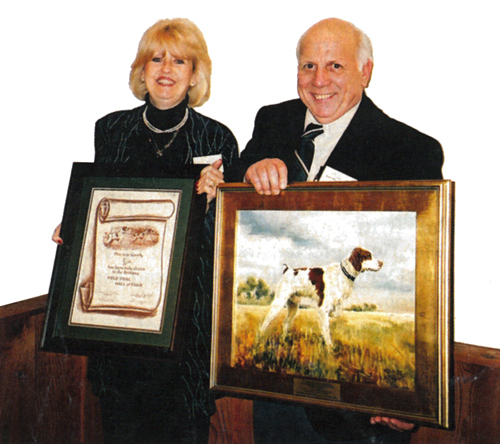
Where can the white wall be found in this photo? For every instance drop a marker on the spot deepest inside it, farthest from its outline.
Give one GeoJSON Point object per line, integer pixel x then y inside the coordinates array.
{"type": "Point", "coordinates": [65, 64]}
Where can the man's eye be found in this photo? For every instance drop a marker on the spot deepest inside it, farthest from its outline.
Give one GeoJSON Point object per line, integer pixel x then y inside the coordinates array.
{"type": "Point", "coordinates": [336, 66]}
{"type": "Point", "coordinates": [308, 66]}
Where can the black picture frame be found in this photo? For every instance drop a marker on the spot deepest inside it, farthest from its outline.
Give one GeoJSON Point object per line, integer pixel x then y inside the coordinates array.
{"type": "Point", "coordinates": [121, 280]}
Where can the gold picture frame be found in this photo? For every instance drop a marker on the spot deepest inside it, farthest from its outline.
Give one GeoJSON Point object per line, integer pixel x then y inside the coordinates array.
{"type": "Point", "coordinates": [390, 346]}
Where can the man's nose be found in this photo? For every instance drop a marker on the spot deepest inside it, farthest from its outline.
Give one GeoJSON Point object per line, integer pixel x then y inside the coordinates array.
{"type": "Point", "coordinates": [320, 77]}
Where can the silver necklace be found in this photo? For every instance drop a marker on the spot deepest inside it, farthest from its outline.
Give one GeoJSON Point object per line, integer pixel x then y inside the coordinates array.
{"type": "Point", "coordinates": [159, 152]}
{"type": "Point", "coordinates": [168, 130]}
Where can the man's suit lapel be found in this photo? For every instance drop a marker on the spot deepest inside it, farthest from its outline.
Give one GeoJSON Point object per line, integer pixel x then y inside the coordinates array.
{"type": "Point", "coordinates": [347, 157]}
{"type": "Point", "coordinates": [291, 134]}
{"type": "Point", "coordinates": [295, 124]}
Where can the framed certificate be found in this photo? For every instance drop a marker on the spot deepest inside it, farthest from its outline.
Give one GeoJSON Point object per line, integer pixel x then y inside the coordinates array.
{"type": "Point", "coordinates": [121, 278]}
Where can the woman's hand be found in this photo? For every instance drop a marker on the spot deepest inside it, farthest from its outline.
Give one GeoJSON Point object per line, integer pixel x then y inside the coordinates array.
{"type": "Point", "coordinates": [395, 424]}
{"type": "Point", "coordinates": [56, 235]}
{"type": "Point", "coordinates": [210, 177]}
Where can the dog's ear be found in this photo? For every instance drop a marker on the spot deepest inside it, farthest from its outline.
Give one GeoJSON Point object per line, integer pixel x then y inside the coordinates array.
{"type": "Point", "coordinates": [357, 257]}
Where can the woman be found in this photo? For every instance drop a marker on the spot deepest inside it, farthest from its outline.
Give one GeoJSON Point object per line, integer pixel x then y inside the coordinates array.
{"type": "Point", "coordinates": [155, 401]}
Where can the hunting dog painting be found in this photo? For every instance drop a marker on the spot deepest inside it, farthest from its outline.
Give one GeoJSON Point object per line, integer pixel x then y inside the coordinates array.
{"type": "Point", "coordinates": [330, 286]}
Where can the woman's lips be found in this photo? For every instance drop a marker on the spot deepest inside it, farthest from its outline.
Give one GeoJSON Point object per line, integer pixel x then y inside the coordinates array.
{"type": "Point", "coordinates": [165, 81]}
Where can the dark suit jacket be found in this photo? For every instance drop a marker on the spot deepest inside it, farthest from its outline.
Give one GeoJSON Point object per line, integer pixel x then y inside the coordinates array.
{"type": "Point", "coordinates": [373, 147]}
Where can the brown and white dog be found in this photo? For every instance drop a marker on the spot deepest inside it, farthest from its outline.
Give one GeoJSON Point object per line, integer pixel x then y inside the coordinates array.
{"type": "Point", "coordinates": [330, 285]}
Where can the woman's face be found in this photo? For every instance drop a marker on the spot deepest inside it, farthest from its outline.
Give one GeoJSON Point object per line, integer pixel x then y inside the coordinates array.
{"type": "Point", "coordinates": [168, 78]}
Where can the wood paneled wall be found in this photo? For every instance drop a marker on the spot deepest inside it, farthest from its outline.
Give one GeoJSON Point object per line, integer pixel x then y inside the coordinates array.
{"type": "Point", "coordinates": [477, 403]}
{"type": "Point", "coordinates": [45, 397]}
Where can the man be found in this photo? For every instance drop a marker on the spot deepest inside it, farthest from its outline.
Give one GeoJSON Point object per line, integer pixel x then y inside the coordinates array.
{"type": "Point", "coordinates": [356, 141]}
{"type": "Point", "coordinates": [359, 141]}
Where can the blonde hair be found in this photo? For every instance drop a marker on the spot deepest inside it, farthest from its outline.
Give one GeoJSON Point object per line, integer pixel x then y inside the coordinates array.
{"type": "Point", "coordinates": [183, 38]}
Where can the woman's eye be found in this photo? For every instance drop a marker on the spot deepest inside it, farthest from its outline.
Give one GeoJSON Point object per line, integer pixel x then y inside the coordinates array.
{"type": "Point", "coordinates": [336, 66]}
{"type": "Point", "coordinates": [180, 62]}
{"type": "Point", "coordinates": [156, 59]}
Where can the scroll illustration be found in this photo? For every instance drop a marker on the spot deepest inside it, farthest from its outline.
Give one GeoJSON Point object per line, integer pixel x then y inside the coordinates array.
{"type": "Point", "coordinates": [126, 259]}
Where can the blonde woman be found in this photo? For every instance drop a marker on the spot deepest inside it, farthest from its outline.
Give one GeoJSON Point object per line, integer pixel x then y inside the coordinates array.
{"type": "Point", "coordinates": [153, 401]}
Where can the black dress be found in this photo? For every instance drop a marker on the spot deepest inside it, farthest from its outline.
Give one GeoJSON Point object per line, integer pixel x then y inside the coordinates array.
{"type": "Point", "coordinates": [145, 401]}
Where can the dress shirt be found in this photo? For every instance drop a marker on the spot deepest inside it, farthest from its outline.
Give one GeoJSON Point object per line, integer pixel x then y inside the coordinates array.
{"type": "Point", "coordinates": [325, 143]}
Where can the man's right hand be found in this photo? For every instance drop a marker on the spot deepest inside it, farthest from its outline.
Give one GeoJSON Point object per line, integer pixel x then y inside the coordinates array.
{"type": "Point", "coordinates": [268, 176]}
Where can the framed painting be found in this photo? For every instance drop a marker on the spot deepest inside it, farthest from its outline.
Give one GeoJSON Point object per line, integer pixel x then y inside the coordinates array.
{"type": "Point", "coordinates": [337, 295]}
{"type": "Point", "coordinates": [121, 279]}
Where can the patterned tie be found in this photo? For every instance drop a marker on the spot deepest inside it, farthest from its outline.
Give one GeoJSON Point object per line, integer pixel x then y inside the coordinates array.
{"type": "Point", "coordinates": [305, 152]}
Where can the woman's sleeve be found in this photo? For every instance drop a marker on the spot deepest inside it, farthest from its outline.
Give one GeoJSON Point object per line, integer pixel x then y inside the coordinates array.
{"type": "Point", "coordinates": [101, 142]}
{"type": "Point", "coordinates": [230, 152]}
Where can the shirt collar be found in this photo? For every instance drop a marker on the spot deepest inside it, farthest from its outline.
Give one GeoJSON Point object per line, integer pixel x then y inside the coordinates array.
{"type": "Point", "coordinates": [340, 124]}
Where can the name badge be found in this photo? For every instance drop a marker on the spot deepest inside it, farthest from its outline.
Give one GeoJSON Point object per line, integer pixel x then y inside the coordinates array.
{"type": "Point", "coordinates": [208, 160]}
{"type": "Point", "coordinates": [332, 175]}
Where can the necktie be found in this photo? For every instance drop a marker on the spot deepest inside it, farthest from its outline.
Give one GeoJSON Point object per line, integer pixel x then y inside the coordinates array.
{"type": "Point", "coordinates": [305, 152]}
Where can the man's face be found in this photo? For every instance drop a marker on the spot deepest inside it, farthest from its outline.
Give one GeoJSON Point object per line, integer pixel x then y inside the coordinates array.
{"type": "Point", "coordinates": [329, 81]}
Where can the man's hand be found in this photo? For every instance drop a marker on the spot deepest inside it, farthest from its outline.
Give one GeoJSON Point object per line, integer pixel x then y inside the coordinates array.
{"type": "Point", "coordinates": [395, 424]}
{"type": "Point", "coordinates": [268, 176]}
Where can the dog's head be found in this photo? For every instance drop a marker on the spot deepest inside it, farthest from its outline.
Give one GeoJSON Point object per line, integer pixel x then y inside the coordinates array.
{"type": "Point", "coordinates": [362, 260]}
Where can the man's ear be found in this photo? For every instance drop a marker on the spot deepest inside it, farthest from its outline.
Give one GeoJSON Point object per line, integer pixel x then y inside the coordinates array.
{"type": "Point", "coordinates": [366, 73]}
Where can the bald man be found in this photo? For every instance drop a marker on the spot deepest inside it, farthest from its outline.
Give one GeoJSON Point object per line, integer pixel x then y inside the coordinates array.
{"type": "Point", "coordinates": [358, 141]}
{"type": "Point", "coordinates": [333, 131]}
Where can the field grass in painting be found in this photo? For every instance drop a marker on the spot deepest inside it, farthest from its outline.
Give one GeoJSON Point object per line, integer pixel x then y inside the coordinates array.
{"type": "Point", "coordinates": [368, 347]}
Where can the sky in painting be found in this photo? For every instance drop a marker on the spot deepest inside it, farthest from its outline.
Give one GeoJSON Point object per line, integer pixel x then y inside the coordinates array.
{"type": "Point", "coordinates": [268, 239]}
